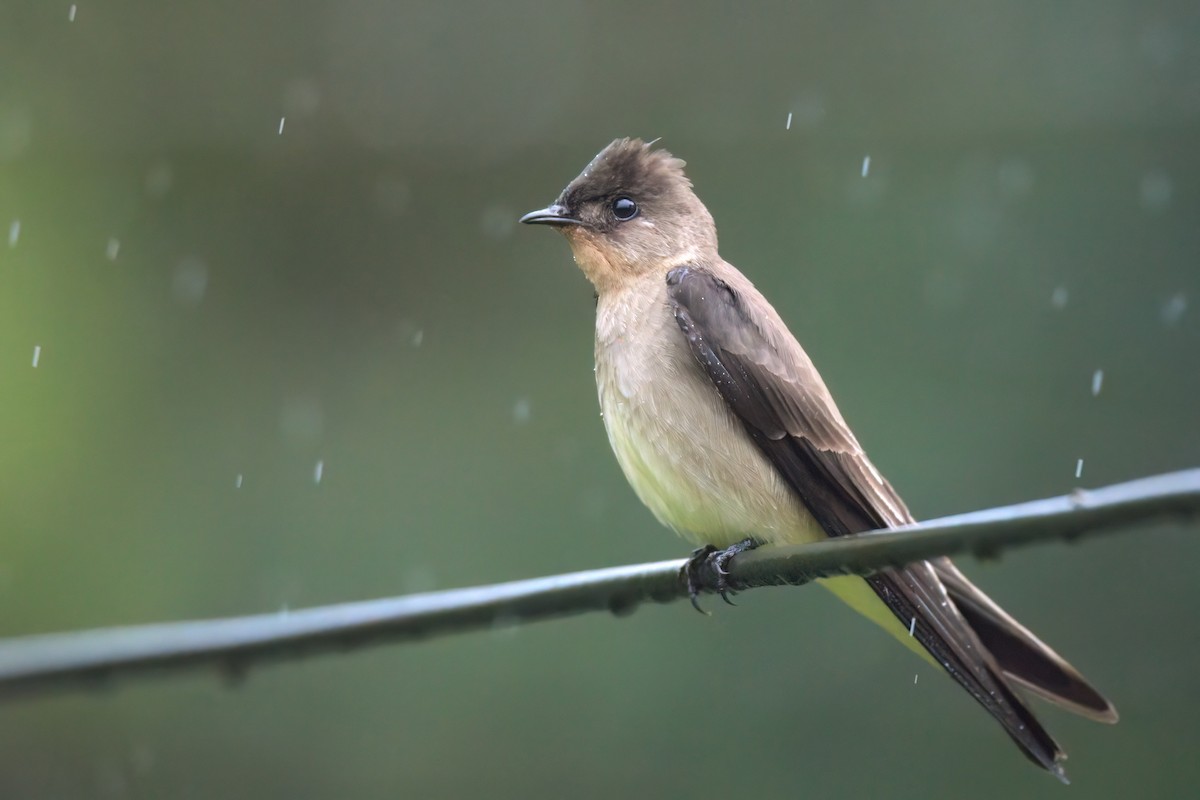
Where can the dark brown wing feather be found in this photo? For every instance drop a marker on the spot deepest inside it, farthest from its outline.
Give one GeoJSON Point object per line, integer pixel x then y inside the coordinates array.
{"type": "Point", "coordinates": [783, 403]}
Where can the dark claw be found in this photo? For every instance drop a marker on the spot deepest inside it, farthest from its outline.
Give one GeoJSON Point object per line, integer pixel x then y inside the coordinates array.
{"type": "Point", "coordinates": [691, 571]}
{"type": "Point", "coordinates": [718, 560]}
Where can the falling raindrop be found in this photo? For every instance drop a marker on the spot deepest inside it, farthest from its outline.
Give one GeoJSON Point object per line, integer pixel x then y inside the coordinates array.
{"type": "Point", "coordinates": [809, 108]}
{"type": "Point", "coordinates": [14, 232]}
{"type": "Point", "coordinates": [1097, 381]}
{"type": "Point", "coordinates": [1059, 298]}
{"type": "Point", "coordinates": [319, 471]}
{"type": "Point", "coordinates": [866, 165]}
{"type": "Point", "coordinates": [112, 249]}
{"type": "Point", "coordinates": [410, 332]}
{"type": "Point", "coordinates": [522, 411]}
{"type": "Point", "coordinates": [37, 354]}
{"type": "Point", "coordinates": [1172, 310]}
{"type": "Point", "coordinates": [1079, 468]}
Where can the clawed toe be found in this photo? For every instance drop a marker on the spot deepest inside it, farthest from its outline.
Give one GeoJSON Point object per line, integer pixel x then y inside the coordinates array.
{"type": "Point", "coordinates": [718, 560]}
{"type": "Point", "coordinates": [691, 573]}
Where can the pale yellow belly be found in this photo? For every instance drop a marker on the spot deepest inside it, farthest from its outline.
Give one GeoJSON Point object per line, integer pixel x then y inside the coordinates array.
{"type": "Point", "coordinates": [690, 460]}
{"type": "Point", "coordinates": [687, 457]}
{"type": "Point", "coordinates": [722, 496]}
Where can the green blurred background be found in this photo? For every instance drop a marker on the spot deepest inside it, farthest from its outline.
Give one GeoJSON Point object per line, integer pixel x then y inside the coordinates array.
{"type": "Point", "coordinates": [213, 299]}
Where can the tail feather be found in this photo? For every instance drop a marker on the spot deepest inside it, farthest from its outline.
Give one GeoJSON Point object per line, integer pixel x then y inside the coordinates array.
{"type": "Point", "coordinates": [1021, 655]}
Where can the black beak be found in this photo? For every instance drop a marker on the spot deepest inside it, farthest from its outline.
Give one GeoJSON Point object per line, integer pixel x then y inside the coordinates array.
{"type": "Point", "coordinates": [550, 215]}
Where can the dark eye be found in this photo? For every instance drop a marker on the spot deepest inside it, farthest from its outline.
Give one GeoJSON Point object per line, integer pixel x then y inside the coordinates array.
{"type": "Point", "coordinates": [624, 209]}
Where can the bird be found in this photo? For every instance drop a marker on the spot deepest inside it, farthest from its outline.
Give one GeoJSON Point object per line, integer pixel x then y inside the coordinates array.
{"type": "Point", "coordinates": [728, 434]}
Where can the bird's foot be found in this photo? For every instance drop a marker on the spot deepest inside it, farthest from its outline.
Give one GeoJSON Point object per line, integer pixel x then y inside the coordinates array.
{"type": "Point", "coordinates": [718, 560]}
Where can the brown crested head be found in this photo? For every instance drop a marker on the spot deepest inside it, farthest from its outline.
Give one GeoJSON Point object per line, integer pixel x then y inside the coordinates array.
{"type": "Point", "coordinates": [631, 211]}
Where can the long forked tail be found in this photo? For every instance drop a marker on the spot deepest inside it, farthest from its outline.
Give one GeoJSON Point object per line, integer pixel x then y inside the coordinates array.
{"type": "Point", "coordinates": [935, 611]}
{"type": "Point", "coordinates": [1022, 656]}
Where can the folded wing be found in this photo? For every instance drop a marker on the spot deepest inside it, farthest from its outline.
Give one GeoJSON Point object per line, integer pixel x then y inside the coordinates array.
{"type": "Point", "coordinates": [770, 384]}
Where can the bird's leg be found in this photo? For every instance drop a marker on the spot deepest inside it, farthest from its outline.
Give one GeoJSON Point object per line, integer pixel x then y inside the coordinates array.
{"type": "Point", "coordinates": [710, 557]}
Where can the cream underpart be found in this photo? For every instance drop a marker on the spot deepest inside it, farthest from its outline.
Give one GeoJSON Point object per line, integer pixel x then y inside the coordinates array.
{"type": "Point", "coordinates": [684, 452]}
{"type": "Point", "coordinates": [686, 455]}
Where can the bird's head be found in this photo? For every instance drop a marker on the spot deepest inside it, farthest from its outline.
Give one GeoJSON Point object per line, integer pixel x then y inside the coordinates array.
{"type": "Point", "coordinates": [631, 211]}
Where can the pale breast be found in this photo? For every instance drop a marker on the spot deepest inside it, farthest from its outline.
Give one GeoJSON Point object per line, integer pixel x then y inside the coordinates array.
{"type": "Point", "coordinates": [685, 454]}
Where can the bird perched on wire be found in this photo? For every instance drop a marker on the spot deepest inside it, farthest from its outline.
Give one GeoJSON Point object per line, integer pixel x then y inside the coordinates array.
{"type": "Point", "coordinates": [728, 434]}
